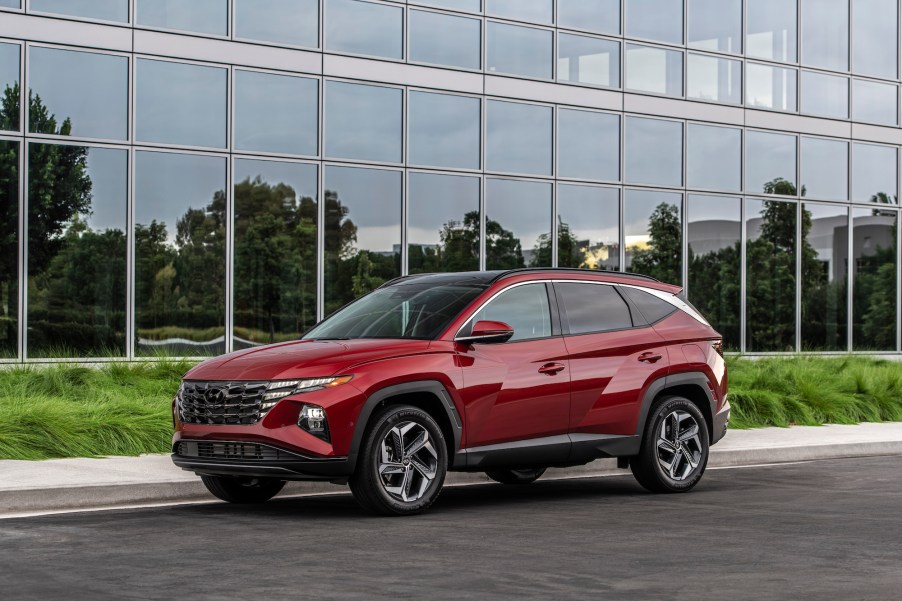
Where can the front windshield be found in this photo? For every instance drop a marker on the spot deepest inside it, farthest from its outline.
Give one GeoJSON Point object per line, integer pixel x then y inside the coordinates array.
{"type": "Point", "coordinates": [412, 311]}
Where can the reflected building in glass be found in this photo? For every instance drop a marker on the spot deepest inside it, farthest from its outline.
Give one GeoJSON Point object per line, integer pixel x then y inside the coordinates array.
{"type": "Point", "coordinates": [189, 178]}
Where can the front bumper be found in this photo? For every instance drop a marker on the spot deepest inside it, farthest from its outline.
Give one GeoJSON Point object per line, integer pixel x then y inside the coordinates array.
{"type": "Point", "coordinates": [256, 460]}
{"type": "Point", "coordinates": [721, 422]}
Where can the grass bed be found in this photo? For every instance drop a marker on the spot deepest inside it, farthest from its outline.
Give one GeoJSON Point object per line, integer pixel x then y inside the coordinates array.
{"type": "Point", "coordinates": [123, 409]}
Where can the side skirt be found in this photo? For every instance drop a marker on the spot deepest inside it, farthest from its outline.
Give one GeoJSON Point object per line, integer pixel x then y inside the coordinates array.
{"type": "Point", "coordinates": [550, 451]}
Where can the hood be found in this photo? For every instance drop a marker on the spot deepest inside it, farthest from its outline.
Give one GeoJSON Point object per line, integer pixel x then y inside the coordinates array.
{"type": "Point", "coordinates": [302, 359]}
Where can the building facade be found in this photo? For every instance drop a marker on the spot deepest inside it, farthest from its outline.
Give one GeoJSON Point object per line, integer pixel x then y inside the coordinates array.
{"type": "Point", "coordinates": [185, 178]}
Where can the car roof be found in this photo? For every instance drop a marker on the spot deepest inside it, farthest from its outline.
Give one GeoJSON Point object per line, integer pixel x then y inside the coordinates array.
{"type": "Point", "coordinates": [487, 278]}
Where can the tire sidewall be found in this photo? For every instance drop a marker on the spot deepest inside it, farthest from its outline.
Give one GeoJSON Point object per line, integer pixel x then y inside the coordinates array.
{"type": "Point", "coordinates": [663, 410]}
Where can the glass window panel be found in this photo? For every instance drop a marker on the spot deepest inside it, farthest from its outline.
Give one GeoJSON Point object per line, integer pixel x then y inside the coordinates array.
{"type": "Point", "coordinates": [538, 11]}
{"type": "Point", "coordinates": [78, 197]}
{"type": "Point", "coordinates": [9, 249]}
{"type": "Point", "coordinates": [654, 152]}
{"type": "Point", "coordinates": [875, 31]}
{"type": "Point", "coordinates": [588, 227]}
{"type": "Point", "coordinates": [825, 95]}
{"type": "Point", "coordinates": [771, 29]}
{"type": "Point", "coordinates": [825, 168]}
{"type": "Point", "coordinates": [714, 227]}
{"type": "Point", "coordinates": [825, 34]}
{"type": "Point", "coordinates": [180, 215]}
{"type": "Point", "coordinates": [275, 251]}
{"type": "Point", "coordinates": [714, 79]}
{"type": "Point", "coordinates": [179, 103]}
{"type": "Point", "coordinates": [363, 122]}
{"type": "Point", "coordinates": [770, 163]}
{"type": "Point", "coordinates": [654, 70]}
{"type": "Point", "coordinates": [106, 10]}
{"type": "Point", "coordinates": [875, 279]}
{"type": "Point", "coordinates": [874, 102]}
{"type": "Point", "coordinates": [276, 113]}
{"type": "Point", "coordinates": [365, 28]}
{"type": "Point", "coordinates": [202, 16]}
{"type": "Point", "coordinates": [444, 130]}
{"type": "Point", "coordinates": [588, 145]}
{"type": "Point", "coordinates": [771, 275]}
{"type": "Point", "coordinates": [84, 94]}
{"type": "Point", "coordinates": [518, 137]}
{"type": "Point", "coordinates": [602, 16]}
{"type": "Point", "coordinates": [874, 173]}
{"type": "Point", "coordinates": [473, 6]}
{"type": "Point", "coordinates": [445, 40]}
{"type": "Point", "coordinates": [588, 60]}
{"type": "Point", "coordinates": [518, 224]}
{"type": "Point", "coordinates": [519, 50]}
{"type": "Point", "coordinates": [715, 25]}
{"type": "Point", "coordinates": [660, 20]}
{"type": "Point", "coordinates": [592, 308]}
{"type": "Point", "coordinates": [524, 308]}
{"type": "Point", "coordinates": [362, 231]}
{"type": "Point", "coordinates": [770, 87]}
{"type": "Point", "coordinates": [10, 4]}
{"type": "Point", "coordinates": [9, 87]}
{"type": "Point", "coordinates": [654, 234]}
{"type": "Point", "coordinates": [825, 261]}
{"type": "Point", "coordinates": [443, 228]}
{"type": "Point", "coordinates": [293, 22]}
{"type": "Point", "coordinates": [714, 158]}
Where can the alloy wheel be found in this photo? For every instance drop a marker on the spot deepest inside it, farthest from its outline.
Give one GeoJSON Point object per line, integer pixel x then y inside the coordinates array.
{"type": "Point", "coordinates": [679, 448]}
{"type": "Point", "coordinates": [408, 463]}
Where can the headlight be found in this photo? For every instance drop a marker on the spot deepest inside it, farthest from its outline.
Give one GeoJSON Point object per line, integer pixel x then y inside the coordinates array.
{"type": "Point", "coordinates": [280, 389]}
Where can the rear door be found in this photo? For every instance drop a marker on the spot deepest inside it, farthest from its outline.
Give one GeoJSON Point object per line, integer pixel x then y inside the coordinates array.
{"type": "Point", "coordinates": [613, 356]}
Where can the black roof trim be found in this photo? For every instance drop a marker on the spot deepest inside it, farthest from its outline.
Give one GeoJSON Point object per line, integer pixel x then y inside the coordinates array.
{"type": "Point", "coordinates": [626, 274]}
{"type": "Point", "coordinates": [487, 278]}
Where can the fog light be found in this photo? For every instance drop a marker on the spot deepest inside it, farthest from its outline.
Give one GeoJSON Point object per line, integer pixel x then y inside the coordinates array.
{"type": "Point", "coordinates": [313, 421]}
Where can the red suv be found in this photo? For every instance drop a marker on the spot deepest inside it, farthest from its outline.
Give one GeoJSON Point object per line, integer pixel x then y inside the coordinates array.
{"type": "Point", "coordinates": [507, 373]}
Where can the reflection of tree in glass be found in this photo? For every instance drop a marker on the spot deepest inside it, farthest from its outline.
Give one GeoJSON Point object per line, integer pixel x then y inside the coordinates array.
{"type": "Point", "coordinates": [661, 259]}
{"type": "Point", "coordinates": [458, 249]}
{"type": "Point", "coordinates": [874, 293]}
{"type": "Point", "coordinates": [9, 223]}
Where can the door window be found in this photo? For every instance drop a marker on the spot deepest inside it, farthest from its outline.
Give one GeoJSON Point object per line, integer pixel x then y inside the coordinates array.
{"type": "Point", "coordinates": [593, 308]}
{"type": "Point", "coordinates": [525, 308]}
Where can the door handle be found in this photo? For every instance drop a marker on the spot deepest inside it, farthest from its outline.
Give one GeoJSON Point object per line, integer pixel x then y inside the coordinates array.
{"type": "Point", "coordinates": [651, 357]}
{"type": "Point", "coordinates": [551, 369]}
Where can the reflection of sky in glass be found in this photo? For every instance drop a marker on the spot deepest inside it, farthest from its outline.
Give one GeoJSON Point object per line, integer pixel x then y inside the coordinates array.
{"type": "Point", "coordinates": [770, 87]}
{"type": "Point", "coordinates": [825, 34]}
{"type": "Point", "coordinates": [654, 151]}
{"type": "Point", "coordinates": [108, 170]}
{"type": "Point", "coordinates": [588, 145]}
{"type": "Point", "coordinates": [445, 39]}
{"type": "Point", "coordinates": [874, 102]}
{"type": "Point", "coordinates": [468, 5]}
{"type": "Point", "coordinates": [374, 199]}
{"type": "Point", "coordinates": [10, 3]}
{"type": "Point", "coordinates": [638, 208]}
{"type": "Point", "coordinates": [717, 79]}
{"type": "Point", "coordinates": [444, 130]}
{"type": "Point", "coordinates": [518, 138]}
{"type": "Point", "coordinates": [9, 65]}
{"type": "Point", "coordinates": [435, 200]}
{"type": "Point", "coordinates": [276, 113]}
{"type": "Point", "coordinates": [521, 207]}
{"type": "Point", "coordinates": [874, 170]}
{"type": "Point", "coordinates": [538, 11]}
{"type": "Point", "coordinates": [601, 15]}
{"type": "Point", "coordinates": [715, 25]}
{"type": "Point", "coordinates": [824, 95]}
{"type": "Point", "coordinates": [107, 10]}
{"type": "Point", "coordinates": [654, 70]}
{"type": "Point", "coordinates": [772, 29]}
{"type": "Point", "coordinates": [363, 122]}
{"type": "Point", "coordinates": [593, 215]}
{"type": "Point", "coordinates": [588, 60]}
{"type": "Point", "coordinates": [202, 16]}
{"type": "Point", "coordinates": [181, 104]}
{"type": "Point", "coordinates": [875, 29]}
{"type": "Point", "coordinates": [825, 168]}
{"type": "Point", "coordinates": [768, 157]}
{"type": "Point", "coordinates": [300, 176]}
{"type": "Point", "coordinates": [294, 22]}
{"type": "Point", "coordinates": [168, 184]}
{"type": "Point", "coordinates": [364, 28]}
{"type": "Point", "coordinates": [713, 223]}
{"type": "Point", "coordinates": [90, 89]}
{"type": "Point", "coordinates": [714, 157]}
{"type": "Point", "coordinates": [519, 50]}
{"type": "Point", "coordinates": [660, 20]}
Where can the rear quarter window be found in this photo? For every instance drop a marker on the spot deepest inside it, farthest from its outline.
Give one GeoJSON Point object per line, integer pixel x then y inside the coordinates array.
{"type": "Point", "coordinates": [653, 309]}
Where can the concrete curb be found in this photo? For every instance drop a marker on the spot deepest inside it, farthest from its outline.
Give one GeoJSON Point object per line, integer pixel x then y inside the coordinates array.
{"type": "Point", "coordinates": [72, 498]}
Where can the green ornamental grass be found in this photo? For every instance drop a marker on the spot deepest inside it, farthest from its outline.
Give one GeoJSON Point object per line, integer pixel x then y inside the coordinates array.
{"type": "Point", "coordinates": [124, 408]}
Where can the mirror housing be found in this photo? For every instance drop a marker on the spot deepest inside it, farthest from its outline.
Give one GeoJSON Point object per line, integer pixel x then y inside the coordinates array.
{"type": "Point", "coordinates": [487, 332]}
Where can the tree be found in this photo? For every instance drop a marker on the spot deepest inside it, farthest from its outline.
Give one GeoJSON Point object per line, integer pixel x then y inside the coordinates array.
{"type": "Point", "coordinates": [662, 259]}
{"type": "Point", "coordinates": [569, 252]}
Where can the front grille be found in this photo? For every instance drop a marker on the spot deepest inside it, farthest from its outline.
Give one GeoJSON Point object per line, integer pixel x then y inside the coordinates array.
{"type": "Point", "coordinates": [246, 451]}
{"type": "Point", "coordinates": [221, 402]}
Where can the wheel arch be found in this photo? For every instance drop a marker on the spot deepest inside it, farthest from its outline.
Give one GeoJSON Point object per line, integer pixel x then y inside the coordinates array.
{"type": "Point", "coordinates": [693, 386]}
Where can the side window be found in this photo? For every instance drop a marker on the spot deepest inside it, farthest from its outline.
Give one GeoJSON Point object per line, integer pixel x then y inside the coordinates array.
{"type": "Point", "coordinates": [593, 308]}
{"type": "Point", "coordinates": [525, 308]}
{"type": "Point", "coordinates": [651, 307]}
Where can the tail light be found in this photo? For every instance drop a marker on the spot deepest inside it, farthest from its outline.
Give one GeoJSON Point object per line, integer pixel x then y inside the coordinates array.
{"type": "Point", "coordinates": [717, 345]}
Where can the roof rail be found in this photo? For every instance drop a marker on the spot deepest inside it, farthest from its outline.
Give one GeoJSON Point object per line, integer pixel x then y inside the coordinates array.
{"type": "Point", "coordinates": [513, 272]}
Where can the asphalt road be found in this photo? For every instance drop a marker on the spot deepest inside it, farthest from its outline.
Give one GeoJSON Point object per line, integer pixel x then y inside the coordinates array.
{"type": "Point", "coordinates": [822, 530]}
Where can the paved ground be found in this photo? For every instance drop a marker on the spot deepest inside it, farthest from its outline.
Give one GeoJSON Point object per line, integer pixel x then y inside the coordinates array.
{"type": "Point", "coordinates": [828, 529]}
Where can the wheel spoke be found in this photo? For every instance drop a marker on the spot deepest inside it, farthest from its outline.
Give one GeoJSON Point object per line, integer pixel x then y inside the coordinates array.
{"type": "Point", "coordinates": [397, 442]}
{"type": "Point", "coordinates": [666, 445]}
{"type": "Point", "coordinates": [674, 428]}
{"type": "Point", "coordinates": [405, 485]}
{"type": "Point", "coordinates": [390, 469]}
{"type": "Point", "coordinates": [688, 433]}
{"type": "Point", "coordinates": [424, 470]}
{"type": "Point", "coordinates": [675, 464]}
{"type": "Point", "coordinates": [418, 443]}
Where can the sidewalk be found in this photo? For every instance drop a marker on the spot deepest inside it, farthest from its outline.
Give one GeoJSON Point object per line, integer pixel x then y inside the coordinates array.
{"type": "Point", "coordinates": [68, 484]}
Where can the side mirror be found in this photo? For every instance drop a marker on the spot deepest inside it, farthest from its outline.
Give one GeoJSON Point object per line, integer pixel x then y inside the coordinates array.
{"type": "Point", "coordinates": [487, 332]}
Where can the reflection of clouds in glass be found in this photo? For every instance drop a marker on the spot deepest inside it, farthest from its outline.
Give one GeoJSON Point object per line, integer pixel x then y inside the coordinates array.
{"type": "Point", "coordinates": [519, 50]}
{"type": "Point", "coordinates": [276, 113]}
{"type": "Point", "coordinates": [713, 223]}
{"type": "Point", "coordinates": [203, 16]}
{"type": "Point", "coordinates": [660, 20]}
{"type": "Point", "coordinates": [874, 23]}
{"type": "Point", "coordinates": [714, 157]}
{"type": "Point", "coordinates": [600, 15]}
{"type": "Point", "coordinates": [435, 200]}
{"type": "Point", "coordinates": [168, 184]}
{"type": "Point", "coordinates": [588, 60]}
{"type": "Point", "coordinates": [373, 197]}
{"type": "Point", "coordinates": [654, 70]}
{"type": "Point", "coordinates": [770, 87]}
{"type": "Point", "coordinates": [106, 10]}
{"type": "Point", "coordinates": [825, 168]}
{"type": "Point", "coordinates": [537, 11]}
{"type": "Point", "coordinates": [445, 39]}
{"type": "Point", "coordinates": [9, 65]}
{"type": "Point", "coordinates": [768, 157]}
{"type": "Point", "coordinates": [824, 95]}
{"type": "Point", "coordinates": [588, 145]}
{"type": "Point", "coordinates": [874, 102]}
{"type": "Point", "coordinates": [364, 28]}
{"type": "Point", "coordinates": [593, 214]}
{"type": "Point", "coordinates": [772, 29]}
{"type": "Point", "coordinates": [518, 138]}
{"type": "Point", "coordinates": [717, 79]}
{"type": "Point", "coordinates": [293, 22]}
{"type": "Point", "coordinates": [108, 172]}
{"type": "Point", "coordinates": [363, 122]}
{"type": "Point", "coordinates": [874, 171]}
{"type": "Point", "coordinates": [521, 207]}
{"type": "Point", "coordinates": [638, 208]}
{"type": "Point", "coordinates": [444, 130]}
{"type": "Point", "coordinates": [654, 150]}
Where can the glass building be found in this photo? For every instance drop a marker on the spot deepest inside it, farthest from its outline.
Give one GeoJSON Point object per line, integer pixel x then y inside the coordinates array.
{"type": "Point", "coordinates": [184, 178]}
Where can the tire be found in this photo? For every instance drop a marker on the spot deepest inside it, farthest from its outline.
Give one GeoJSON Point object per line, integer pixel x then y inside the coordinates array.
{"type": "Point", "coordinates": [402, 464]}
{"type": "Point", "coordinates": [675, 445]}
{"type": "Point", "coordinates": [527, 476]}
{"type": "Point", "coordinates": [243, 490]}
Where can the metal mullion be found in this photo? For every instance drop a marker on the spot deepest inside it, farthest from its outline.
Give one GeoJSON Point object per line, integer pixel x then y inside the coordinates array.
{"type": "Point", "coordinates": [230, 255]}
{"type": "Point", "coordinates": [798, 273]}
{"type": "Point", "coordinates": [898, 285]}
{"type": "Point", "coordinates": [555, 112]}
{"type": "Point", "coordinates": [850, 274]}
{"type": "Point", "coordinates": [130, 262]}
{"type": "Point", "coordinates": [320, 242]}
{"type": "Point", "coordinates": [621, 234]}
{"type": "Point", "coordinates": [743, 274]}
{"type": "Point", "coordinates": [23, 252]}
